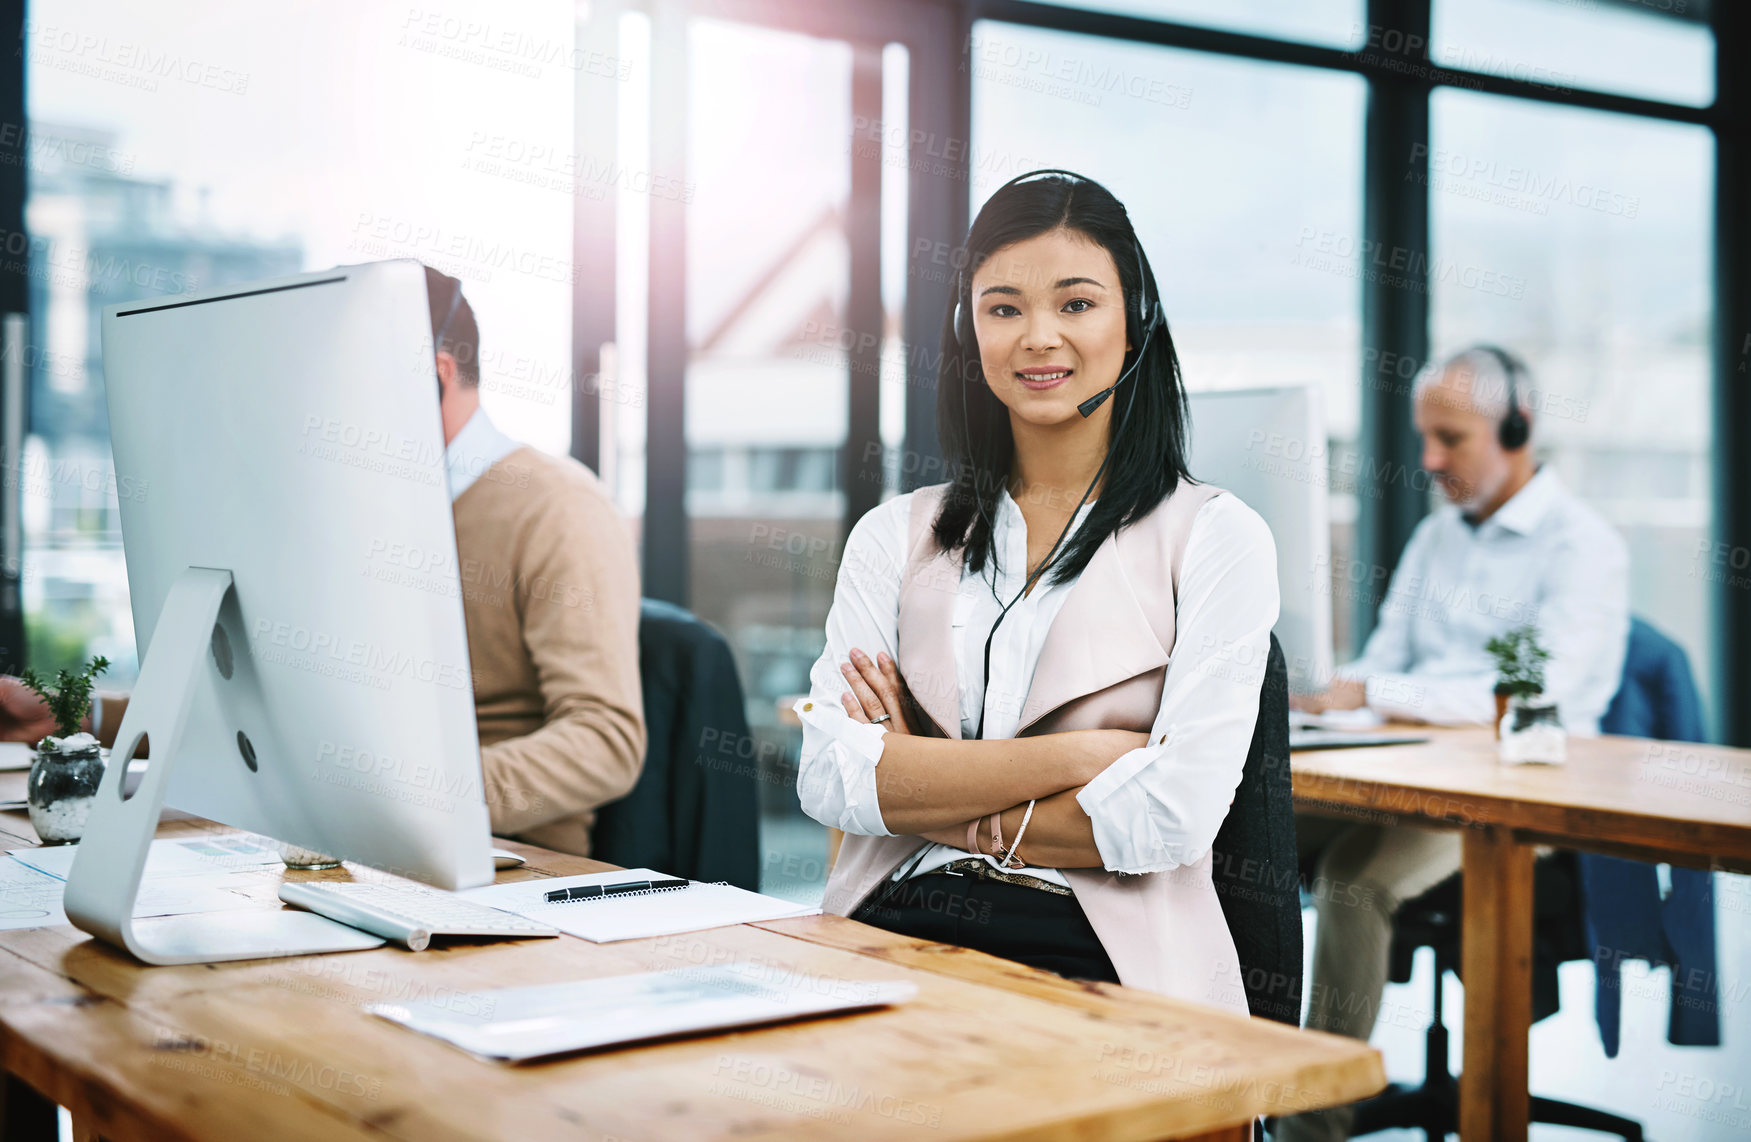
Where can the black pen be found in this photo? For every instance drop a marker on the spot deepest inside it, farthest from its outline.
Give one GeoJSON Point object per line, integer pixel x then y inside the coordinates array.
{"type": "Point", "coordinates": [595, 891]}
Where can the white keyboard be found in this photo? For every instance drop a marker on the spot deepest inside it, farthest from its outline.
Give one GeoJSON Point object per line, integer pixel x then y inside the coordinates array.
{"type": "Point", "coordinates": [410, 914]}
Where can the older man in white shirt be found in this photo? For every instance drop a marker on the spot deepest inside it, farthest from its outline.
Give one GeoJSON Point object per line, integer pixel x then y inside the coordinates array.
{"type": "Point", "coordinates": [1512, 547]}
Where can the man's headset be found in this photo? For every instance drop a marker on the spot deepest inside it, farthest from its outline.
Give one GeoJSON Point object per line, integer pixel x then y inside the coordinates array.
{"type": "Point", "coordinates": [1515, 430]}
{"type": "Point", "coordinates": [1149, 317]}
{"type": "Point", "coordinates": [438, 337]}
{"type": "Point", "coordinates": [1147, 311]}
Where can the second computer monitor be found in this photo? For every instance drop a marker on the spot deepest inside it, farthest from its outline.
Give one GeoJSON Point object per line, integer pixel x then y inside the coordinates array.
{"type": "Point", "coordinates": [1268, 446]}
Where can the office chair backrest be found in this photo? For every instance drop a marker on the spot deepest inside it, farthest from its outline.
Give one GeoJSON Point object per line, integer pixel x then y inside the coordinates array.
{"type": "Point", "coordinates": [695, 810]}
{"type": "Point", "coordinates": [1253, 860]}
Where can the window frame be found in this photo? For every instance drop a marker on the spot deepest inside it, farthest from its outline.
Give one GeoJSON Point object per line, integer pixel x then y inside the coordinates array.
{"type": "Point", "coordinates": [1395, 321]}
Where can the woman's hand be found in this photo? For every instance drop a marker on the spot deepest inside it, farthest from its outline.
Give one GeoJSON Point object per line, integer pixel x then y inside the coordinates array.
{"type": "Point", "coordinates": [876, 690]}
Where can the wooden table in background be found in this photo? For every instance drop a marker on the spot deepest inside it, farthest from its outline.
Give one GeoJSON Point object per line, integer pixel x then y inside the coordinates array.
{"type": "Point", "coordinates": [273, 1049]}
{"type": "Point", "coordinates": [1675, 802]}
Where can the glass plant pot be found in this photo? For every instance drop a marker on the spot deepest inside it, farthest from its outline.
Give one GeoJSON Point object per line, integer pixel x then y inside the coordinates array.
{"type": "Point", "coordinates": [63, 783]}
{"type": "Point", "coordinates": [1532, 732]}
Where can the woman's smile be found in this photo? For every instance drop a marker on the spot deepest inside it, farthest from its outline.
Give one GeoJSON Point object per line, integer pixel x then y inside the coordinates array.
{"type": "Point", "coordinates": [1044, 377]}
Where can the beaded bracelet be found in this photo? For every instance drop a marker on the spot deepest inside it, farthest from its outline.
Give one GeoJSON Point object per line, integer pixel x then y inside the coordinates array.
{"type": "Point", "coordinates": [1012, 857]}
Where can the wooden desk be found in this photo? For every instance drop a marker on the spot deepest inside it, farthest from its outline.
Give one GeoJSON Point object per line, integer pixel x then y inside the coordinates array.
{"type": "Point", "coordinates": [280, 1048]}
{"type": "Point", "coordinates": [1658, 801]}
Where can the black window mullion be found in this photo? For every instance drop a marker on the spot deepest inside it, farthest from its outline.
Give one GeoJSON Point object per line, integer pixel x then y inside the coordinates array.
{"type": "Point", "coordinates": [860, 461]}
{"type": "Point", "coordinates": [1394, 259]}
{"type": "Point", "coordinates": [665, 532]}
{"type": "Point", "coordinates": [14, 333]}
{"type": "Point", "coordinates": [596, 109]}
{"type": "Point", "coordinates": [1725, 564]}
{"type": "Point", "coordinates": [941, 120]}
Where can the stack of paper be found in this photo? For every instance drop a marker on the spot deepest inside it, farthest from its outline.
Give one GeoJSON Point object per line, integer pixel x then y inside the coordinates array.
{"type": "Point", "coordinates": [607, 919]}
{"type": "Point", "coordinates": [518, 1024]}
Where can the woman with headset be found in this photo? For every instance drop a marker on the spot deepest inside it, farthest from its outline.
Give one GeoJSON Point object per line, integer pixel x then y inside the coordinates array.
{"type": "Point", "coordinates": [1041, 679]}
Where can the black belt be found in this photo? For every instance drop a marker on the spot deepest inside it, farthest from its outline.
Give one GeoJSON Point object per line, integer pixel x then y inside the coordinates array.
{"type": "Point", "coordinates": [985, 870]}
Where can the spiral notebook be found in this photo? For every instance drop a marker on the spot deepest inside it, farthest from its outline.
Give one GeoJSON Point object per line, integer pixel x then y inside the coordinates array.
{"type": "Point", "coordinates": [634, 917]}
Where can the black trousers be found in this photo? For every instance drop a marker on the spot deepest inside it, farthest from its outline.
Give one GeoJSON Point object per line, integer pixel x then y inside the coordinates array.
{"type": "Point", "coordinates": [1027, 925]}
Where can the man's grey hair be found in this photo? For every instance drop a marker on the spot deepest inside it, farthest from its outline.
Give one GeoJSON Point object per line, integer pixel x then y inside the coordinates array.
{"type": "Point", "coordinates": [1480, 374]}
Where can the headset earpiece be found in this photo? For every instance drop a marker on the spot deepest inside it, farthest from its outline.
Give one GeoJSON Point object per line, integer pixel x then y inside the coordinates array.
{"type": "Point", "coordinates": [962, 336]}
{"type": "Point", "coordinates": [1514, 430]}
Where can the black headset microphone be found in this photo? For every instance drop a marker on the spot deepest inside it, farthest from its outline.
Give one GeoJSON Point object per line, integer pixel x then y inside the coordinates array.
{"type": "Point", "coordinates": [1150, 321]}
{"type": "Point", "coordinates": [1148, 318]}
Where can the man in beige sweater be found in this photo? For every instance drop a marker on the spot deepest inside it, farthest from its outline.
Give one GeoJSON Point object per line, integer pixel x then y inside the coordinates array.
{"type": "Point", "coordinates": [551, 596]}
{"type": "Point", "coordinates": [550, 590]}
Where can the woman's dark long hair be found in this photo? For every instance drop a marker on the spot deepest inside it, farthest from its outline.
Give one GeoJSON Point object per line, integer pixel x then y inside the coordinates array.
{"type": "Point", "coordinates": [1148, 453]}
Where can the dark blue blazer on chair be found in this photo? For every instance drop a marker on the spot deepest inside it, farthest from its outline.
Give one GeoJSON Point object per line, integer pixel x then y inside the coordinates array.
{"type": "Point", "coordinates": [1626, 916]}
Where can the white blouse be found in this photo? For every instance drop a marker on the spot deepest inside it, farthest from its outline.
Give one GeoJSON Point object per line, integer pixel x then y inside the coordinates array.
{"type": "Point", "coordinates": [1154, 808]}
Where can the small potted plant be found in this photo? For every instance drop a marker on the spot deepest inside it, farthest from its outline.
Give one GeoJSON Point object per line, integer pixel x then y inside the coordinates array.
{"type": "Point", "coordinates": [1527, 726]}
{"type": "Point", "coordinates": [69, 763]}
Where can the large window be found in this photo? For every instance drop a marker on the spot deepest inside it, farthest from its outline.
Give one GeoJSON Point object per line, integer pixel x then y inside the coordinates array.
{"type": "Point", "coordinates": [1596, 230]}
{"type": "Point", "coordinates": [770, 137]}
{"type": "Point", "coordinates": [1239, 177]}
{"type": "Point", "coordinates": [183, 146]}
{"type": "Point", "coordinates": [1337, 23]}
{"type": "Point", "coordinates": [1660, 49]}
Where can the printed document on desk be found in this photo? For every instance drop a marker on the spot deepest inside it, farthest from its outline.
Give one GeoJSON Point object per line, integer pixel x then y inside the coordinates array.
{"type": "Point", "coordinates": [171, 857]}
{"type": "Point", "coordinates": [519, 1024]}
{"type": "Point", "coordinates": [31, 898]}
{"type": "Point", "coordinates": [692, 909]}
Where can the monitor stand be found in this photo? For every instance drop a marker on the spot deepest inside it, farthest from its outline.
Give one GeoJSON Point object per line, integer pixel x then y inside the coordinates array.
{"type": "Point", "coordinates": [118, 835]}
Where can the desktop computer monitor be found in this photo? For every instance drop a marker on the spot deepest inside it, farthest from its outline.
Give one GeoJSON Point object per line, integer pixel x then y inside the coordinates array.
{"type": "Point", "coordinates": [1268, 446]}
{"type": "Point", "coordinates": [297, 602]}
